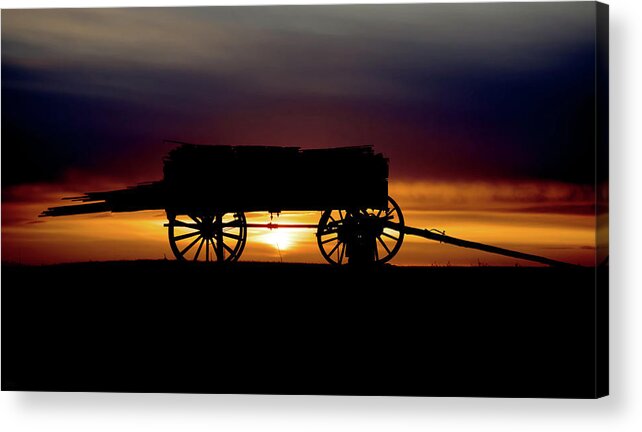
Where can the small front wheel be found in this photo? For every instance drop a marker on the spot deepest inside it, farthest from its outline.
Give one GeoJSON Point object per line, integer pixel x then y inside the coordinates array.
{"type": "Point", "coordinates": [220, 237]}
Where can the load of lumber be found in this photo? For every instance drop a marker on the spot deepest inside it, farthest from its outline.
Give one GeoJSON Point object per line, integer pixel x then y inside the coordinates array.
{"type": "Point", "coordinates": [205, 179]}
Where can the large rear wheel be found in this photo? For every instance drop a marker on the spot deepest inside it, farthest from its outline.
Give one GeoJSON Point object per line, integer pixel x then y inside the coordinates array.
{"type": "Point", "coordinates": [337, 228]}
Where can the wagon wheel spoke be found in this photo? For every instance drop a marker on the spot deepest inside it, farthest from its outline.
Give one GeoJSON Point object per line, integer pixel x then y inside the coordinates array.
{"type": "Point", "coordinates": [200, 246]}
{"type": "Point", "coordinates": [330, 240]}
{"type": "Point", "coordinates": [227, 248]}
{"type": "Point", "coordinates": [187, 225]}
{"type": "Point", "coordinates": [385, 234]}
{"type": "Point", "coordinates": [195, 219]}
{"type": "Point", "coordinates": [334, 248]}
{"type": "Point", "coordinates": [184, 251]}
{"type": "Point", "coordinates": [383, 243]}
{"type": "Point", "coordinates": [188, 235]}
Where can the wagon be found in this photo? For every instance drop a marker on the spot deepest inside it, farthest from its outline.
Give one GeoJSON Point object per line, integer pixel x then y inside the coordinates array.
{"type": "Point", "coordinates": [207, 190]}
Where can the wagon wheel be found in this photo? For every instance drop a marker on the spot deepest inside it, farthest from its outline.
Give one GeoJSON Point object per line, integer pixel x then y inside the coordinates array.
{"type": "Point", "coordinates": [335, 226]}
{"type": "Point", "coordinates": [207, 238]}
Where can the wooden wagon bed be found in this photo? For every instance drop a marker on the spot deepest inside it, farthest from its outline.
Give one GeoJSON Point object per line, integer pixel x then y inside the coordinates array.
{"type": "Point", "coordinates": [203, 179]}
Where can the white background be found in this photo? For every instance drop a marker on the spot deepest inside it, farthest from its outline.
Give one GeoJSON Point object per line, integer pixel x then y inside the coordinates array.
{"type": "Point", "coordinates": [622, 411]}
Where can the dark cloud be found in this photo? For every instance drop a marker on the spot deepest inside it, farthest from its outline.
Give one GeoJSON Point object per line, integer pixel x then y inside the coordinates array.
{"type": "Point", "coordinates": [497, 90]}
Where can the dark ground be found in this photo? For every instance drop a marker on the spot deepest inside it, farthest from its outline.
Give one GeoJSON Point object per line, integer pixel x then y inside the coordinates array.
{"type": "Point", "coordinates": [165, 326]}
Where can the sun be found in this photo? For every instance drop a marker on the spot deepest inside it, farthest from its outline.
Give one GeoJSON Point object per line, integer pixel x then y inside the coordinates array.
{"type": "Point", "coordinates": [279, 238]}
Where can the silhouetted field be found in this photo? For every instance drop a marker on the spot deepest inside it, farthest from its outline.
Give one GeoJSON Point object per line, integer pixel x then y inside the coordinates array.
{"type": "Point", "coordinates": [166, 326]}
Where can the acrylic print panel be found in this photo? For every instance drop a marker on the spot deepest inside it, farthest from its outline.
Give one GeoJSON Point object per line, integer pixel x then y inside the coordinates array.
{"type": "Point", "coordinates": [340, 199]}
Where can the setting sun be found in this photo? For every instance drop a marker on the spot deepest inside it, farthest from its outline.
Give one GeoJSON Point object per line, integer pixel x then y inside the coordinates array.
{"type": "Point", "coordinates": [281, 239]}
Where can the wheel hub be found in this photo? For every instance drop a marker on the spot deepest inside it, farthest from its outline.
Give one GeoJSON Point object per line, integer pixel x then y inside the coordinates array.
{"type": "Point", "coordinates": [208, 230]}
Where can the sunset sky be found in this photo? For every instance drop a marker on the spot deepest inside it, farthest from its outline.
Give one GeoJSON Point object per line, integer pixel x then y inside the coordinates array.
{"type": "Point", "coordinates": [486, 112]}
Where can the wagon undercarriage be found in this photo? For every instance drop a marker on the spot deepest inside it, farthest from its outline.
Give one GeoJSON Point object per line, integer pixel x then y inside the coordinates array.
{"type": "Point", "coordinates": [343, 235]}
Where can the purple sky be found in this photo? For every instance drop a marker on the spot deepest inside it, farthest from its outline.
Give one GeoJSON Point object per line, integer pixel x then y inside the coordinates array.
{"type": "Point", "coordinates": [497, 91]}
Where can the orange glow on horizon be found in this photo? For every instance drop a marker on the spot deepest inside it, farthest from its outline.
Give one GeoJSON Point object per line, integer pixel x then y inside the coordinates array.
{"type": "Point", "coordinates": [479, 212]}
